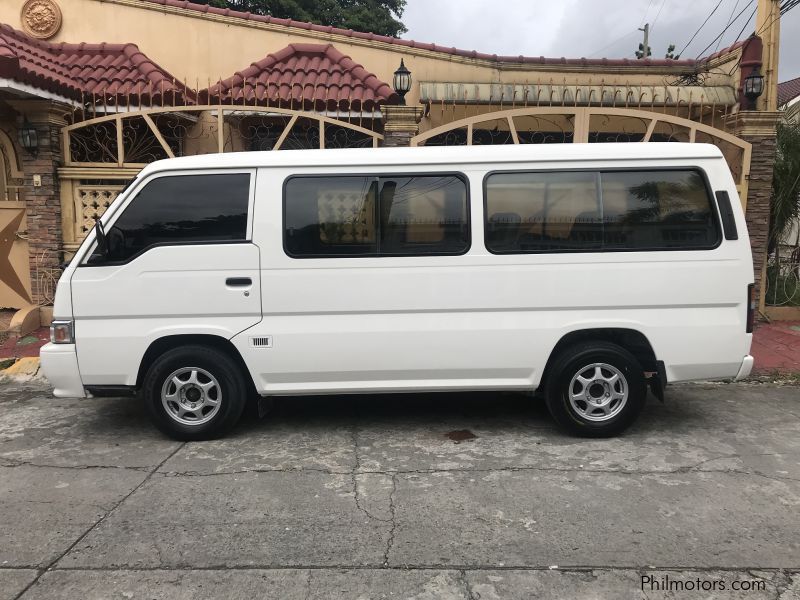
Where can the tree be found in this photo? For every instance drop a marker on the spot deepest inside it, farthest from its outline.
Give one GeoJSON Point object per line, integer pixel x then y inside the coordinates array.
{"type": "Point", "coordinates": [785, 183]}
{"type": "Point", "coordinates": [783, 276]}
{"type": "Point", "coordinates": [375, 16]}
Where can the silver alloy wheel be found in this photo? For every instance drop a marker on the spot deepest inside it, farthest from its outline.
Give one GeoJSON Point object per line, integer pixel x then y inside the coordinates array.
{"type": "Point", "coordinates": [598, 392]}
{"type": "Point", "coordinates": [191, 396]}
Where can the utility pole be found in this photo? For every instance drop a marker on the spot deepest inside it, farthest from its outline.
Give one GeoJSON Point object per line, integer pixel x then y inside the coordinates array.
{"type": "Point", "coordinates": [644, 47]}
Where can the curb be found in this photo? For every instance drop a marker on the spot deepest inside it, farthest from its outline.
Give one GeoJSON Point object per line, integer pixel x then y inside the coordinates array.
{"type": "Point", "coordinates": [24, 369]}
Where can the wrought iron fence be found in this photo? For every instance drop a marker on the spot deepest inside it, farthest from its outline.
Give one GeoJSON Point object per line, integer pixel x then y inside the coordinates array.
{"type": "Point", "coordinates": [783, 277]}
{"type": "Point", "coordinates": [133, 139]}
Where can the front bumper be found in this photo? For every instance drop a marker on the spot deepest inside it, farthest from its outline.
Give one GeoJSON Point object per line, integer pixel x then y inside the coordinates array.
{"type": "Point", "coordinates": [744, 370]}
{"type": "Point", "coordinates": [60, 366]}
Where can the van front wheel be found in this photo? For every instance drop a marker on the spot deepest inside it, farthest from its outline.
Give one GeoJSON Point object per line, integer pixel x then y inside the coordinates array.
{"type": "Point", "coordinates": [595, 389]}
{"type": "Point", "coordinates": [194, 393]}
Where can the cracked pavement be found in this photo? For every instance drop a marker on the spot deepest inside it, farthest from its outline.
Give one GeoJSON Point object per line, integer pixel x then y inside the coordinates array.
{"type": "Point", "coordinates": [368, 497]}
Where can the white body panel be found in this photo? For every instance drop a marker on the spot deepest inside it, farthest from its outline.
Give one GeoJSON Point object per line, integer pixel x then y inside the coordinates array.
{"type": "Point", "coordinates": [171, 290]}
{"type": "Point", "coordinates": [475, 321]}
{"type": "Point", "coordinates": [60, 366]}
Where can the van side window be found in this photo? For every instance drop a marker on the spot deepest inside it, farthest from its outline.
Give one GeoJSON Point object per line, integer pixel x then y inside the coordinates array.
{"type": "Point", "coordinates": [423, 215]}
{"type": "Point", "coordinates": [330, 216]}
{"type": "Point", "coordinates": [182, 209]}
{"type": "Point", "coordinates": [535, 212]}
{"type": "Point", "coordinates": [599, 211]}
{"type": "Point", "coordinates": [657, 210]}
{"type": "Point", "coordinates": [375, 216]}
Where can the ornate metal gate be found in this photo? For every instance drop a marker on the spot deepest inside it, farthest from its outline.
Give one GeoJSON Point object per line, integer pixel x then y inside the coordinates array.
{"type": "Point", "coordinates": [104, 152]}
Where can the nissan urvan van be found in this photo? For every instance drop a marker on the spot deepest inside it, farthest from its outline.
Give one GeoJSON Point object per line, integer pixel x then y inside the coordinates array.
{"type": "Point", "coordinates": [593, 273]}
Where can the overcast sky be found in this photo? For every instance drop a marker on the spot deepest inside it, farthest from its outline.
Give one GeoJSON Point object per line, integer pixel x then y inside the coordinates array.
{"type": "Point", "coordinates": [590, 28]}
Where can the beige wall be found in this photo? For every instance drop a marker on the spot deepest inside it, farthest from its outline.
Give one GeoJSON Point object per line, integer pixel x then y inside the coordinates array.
{"type": "Point", "coordinates": [199, 48]}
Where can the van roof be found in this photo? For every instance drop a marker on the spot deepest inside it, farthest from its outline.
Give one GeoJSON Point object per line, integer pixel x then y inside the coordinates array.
{"type": "Point", "coordinates": [366, 157]}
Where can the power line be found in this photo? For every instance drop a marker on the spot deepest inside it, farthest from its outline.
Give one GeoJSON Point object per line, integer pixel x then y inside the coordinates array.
{"type": "Point", "coordinates": [729, 25]}
{"type": "Point", "coordinates": [658, 14]}
{"type": "Point", "coordinates": [719, 40]}
{"type": "Point", "coordinates": [746, 23]}
{"type": "Point", "coordinates": [616, 41]}
{"type": "Point", "coordinates": [788, 5]}
{"type": "Point", "coordinates": [646, 10]}
{"type": "Point", "coordinates": [711, 14]}
{"type": "Point", "coordinates": [738, 62]}
{"type": "Point", "coordinates": [784, 8]}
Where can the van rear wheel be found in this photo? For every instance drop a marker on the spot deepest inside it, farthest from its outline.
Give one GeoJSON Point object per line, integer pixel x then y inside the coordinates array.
{"type": "Point", "coordinates": [194, 393]}
{"type": "Point", "coordinates": [595, 389]}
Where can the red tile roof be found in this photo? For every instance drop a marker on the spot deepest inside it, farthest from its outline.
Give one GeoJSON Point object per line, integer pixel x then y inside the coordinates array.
{"type": "Point", "coordinates": [311, 76]}
{"type": "Point", "coordinates": [75, 70]}
{"type": "Point", "coordinates": [318, 75]}
{"type": "Point", "coordinates": [532, 60]}
{"type": "Point", "coordinates": [729, 49]}
{"type": "Point", "coordinates": [788, 90]}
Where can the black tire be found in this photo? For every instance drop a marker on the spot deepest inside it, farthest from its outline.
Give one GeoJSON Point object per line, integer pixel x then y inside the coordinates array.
{"type": "Point", "coordinates": [229, 389]}
{"type": "Point", "coordinates": [578, 359]}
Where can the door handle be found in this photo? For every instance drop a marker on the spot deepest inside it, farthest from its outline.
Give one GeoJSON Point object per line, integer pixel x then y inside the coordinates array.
{"type": "Point", "coordinates": [238, 281]}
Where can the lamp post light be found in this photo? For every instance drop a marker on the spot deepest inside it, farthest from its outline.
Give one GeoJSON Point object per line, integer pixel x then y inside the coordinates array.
{"type": "Point", "coordinates": [402, 81]}
{"type": "Point", "coordinates": [29, 138]}
{"type": "Point", "coordinates": [753, 87]}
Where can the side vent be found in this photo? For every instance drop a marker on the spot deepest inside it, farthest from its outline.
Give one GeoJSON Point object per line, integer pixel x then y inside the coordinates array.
{"type": "Point", "coordinates": [261, 342]}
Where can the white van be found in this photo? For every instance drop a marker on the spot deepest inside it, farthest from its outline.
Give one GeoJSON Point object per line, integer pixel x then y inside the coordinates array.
{"type": "Point", "coordinates": [589, 271]}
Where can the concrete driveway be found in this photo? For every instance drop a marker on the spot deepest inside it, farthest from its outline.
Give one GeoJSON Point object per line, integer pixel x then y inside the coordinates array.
{"type": "Point", "coordinates": [473, 496]}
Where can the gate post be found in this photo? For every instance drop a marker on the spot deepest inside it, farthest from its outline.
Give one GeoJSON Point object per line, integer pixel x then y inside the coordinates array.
{"type": "Point", "coordinates": [759, 129]}
{"type": "Point", "coordinates": [41, 194]}
{"type": "Point", "coordinates": [401, 123]}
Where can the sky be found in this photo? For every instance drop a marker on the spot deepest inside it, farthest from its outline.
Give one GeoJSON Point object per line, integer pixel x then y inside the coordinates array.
{"type": "Point", "coordinates": [592, 28]}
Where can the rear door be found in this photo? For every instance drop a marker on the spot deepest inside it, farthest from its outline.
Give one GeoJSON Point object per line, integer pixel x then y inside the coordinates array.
{"type": "Point", "coordinates": [181, 261]}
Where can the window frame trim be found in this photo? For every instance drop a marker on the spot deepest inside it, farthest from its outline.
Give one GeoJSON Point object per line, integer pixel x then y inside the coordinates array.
{"type": "Point", "coordinates": [379, 176]}
{"type": "Point", "coordinates": [114, 215]}
{"type": "Point", "coordinates": [599, 172]}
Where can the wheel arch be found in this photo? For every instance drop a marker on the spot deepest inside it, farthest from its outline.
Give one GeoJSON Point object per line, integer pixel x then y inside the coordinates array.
{"type": "Point", "coordinates": [169, 342]}
{"type": "Point", "coordinates": [633, 340]}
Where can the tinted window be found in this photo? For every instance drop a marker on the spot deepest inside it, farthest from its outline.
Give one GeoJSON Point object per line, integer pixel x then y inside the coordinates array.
{"type": "Point", "coordinates": [330, 215]}
{"type": "Point", "coordinates": [182, 209]}
{"type": "Point", "coordinates": [533, 212]}
{"type": "Point", "coordinates": [356, 216]}
{"type": "Point", "coordinates": [422, 215]}
{"type": "Point", "coordinates": [561, 211]}
{"type": "Point", "coordinates": [657, 210]}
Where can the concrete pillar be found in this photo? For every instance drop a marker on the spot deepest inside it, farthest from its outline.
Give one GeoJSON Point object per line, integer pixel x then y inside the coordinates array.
{"type": "Point", "coordinates": [41, 193]}
{"type": "Point", "coordinates": [400, 124]}
{"type": "Point", "coordinates": [759, 129]}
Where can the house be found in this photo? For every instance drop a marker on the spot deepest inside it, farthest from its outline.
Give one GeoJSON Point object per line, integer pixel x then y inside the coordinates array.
{"type": "Point", "coordinates": [93, 90]}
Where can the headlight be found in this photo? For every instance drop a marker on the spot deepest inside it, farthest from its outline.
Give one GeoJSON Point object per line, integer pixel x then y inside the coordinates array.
{"type": "Point", "coordinates": [62, 332]}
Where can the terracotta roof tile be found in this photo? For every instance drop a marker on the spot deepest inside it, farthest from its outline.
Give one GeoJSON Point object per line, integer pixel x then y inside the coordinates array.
{"type": "Point", "coordinates": [75, 70]}
{"type": "Point", "coordinates": [788, 90]}
{"type": "Point", "coordinates": [311, 76]}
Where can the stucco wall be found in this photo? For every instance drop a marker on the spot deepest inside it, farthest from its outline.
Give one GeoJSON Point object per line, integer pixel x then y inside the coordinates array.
{"type": "Point", "coordinates": [198, 48]}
